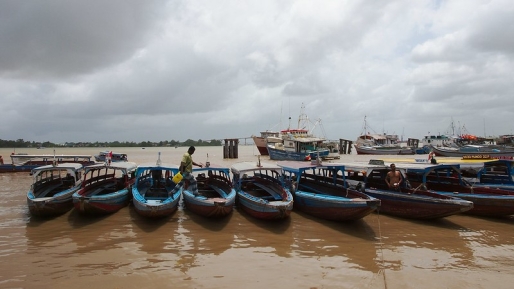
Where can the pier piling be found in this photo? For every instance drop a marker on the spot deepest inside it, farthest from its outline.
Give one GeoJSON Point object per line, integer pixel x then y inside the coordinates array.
{"type": "Point", "coordinates": [230, 149]}
{"type": "Point", "coordinates": [345, 146]}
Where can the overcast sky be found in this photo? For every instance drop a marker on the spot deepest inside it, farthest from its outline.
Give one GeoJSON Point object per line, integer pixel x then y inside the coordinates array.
{"type": "Point", "coordinates": [177, 70]}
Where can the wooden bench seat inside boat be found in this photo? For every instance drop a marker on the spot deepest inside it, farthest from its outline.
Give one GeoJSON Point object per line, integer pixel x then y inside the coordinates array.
{"type": "Point", "coordinates": [49, 191]}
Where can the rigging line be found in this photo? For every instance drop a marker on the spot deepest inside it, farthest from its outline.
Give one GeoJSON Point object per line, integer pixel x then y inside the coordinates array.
{"type": "Point", "coordinates": [382, 269]}
{"type": "Point", "coordinates": [381, 250]}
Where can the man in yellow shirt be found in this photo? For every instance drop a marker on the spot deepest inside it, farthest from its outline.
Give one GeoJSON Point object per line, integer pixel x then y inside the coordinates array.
{"type": "Point", "coordinates": [186, 169]}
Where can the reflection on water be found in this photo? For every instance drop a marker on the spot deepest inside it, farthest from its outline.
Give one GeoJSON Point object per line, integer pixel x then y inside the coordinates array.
{"type": "Point", "coordinates": [189, 251]}
{"type": "Point", "coordinates": [434, 244]}
{"type": "Point", "coordinates": [354, 242]}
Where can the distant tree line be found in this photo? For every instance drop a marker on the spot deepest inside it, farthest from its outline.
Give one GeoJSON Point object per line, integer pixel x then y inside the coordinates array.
{"type": "Point", "coordinates": [20, 143]}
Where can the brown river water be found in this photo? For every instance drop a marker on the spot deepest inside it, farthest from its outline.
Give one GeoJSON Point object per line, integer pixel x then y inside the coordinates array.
{"type": "Point", "coordinates": [123, 250]}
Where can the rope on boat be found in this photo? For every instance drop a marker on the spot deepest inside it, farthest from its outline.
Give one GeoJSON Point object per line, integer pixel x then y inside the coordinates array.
{"type": "Point", "coordinates": [422, 186]}
{"type": "Point", "coordinates": [381, 271]}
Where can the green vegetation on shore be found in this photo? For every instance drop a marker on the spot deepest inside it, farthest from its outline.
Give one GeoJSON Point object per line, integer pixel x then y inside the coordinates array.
{"type": "Point", "coordinates": [20, 143]}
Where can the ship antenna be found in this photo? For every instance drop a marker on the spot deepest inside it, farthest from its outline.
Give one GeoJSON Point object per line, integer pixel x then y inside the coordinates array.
{"type": "Point", "coordinates": [159, 159]}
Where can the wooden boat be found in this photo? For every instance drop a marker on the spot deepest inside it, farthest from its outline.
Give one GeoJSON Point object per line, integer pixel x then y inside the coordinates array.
{"type": "Point", "coordinates": [497, 174]}
{"type": "Point", "coordinates": [408, 202]}
{"type": "Point", "coordinates": [21, 162]}
{"type": "Point", "coordinates": [115, 157]}
{"type": "Point", "coordinates": [52, 188]}
{"type": "Point", "coordinates": [379, 144]}
{"type": "Point", "coordinates": [475, 151]}
{"type": "Point", "coordinates": [321, 190]}
{"type": "Point", "coordinates": [298, 148]}
{"type": "Point", "coordinates": [382, 150]}
{"type": "Point", "coordinates": [106, 188]}
{"type": "Point", "coordinates": [260, 190]}
{"type": "Point", "coordinates": [153, 195]}
{"type": "Point", "coordinates": [298, 144]}
{"type": "Point", "coordinates": [216, 196]}
{"type": "Point", "coordinates": [447, 180]}
{"type": "Point", "coordinates": [261, 142]}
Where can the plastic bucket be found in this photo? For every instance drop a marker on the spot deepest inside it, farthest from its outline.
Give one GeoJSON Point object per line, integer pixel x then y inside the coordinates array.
{"type": "Point", "coordinates": [177, 178]}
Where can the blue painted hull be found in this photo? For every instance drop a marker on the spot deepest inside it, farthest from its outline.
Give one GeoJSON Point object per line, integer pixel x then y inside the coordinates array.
{"type": "Point", "coordinates": [263, 209]}
{"type": "Point", "coordinates": [421, 205]}
{"type": "Point", "coordinates": [155, 208]}
{"type": "Point", "coordinates": [334, 208]}
{"type": "Point", "coordinates": [486, 204]}
{"type": "Point", "coordinates": [210, 207]}
{"type": "Point", "coordinates": [101, 204]}
{"type": "Point", "coordinates": [283, 155]}
{"type": "Point", "coordinates": [53, 206]}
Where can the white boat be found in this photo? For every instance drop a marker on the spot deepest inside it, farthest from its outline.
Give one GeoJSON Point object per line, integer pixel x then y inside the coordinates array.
{"type": "Point", "coordinates": [21, 162]}
{"type": "Point", "coordinates": [296, 148]}
{"type": "Point", "coordinates": [52, 188]}
{"type": "Point", "coordinates": [380, 144]}
{"type": "Point", "coordinates": [115, 157]}
{"type": "Point", "coordinates": [475, 152]}
{"type": "Point", "coordinates": [282, 141]}
{"type": "Point", "coordinates": [261, 142]}
{"type": "Point", "coordinates": [441, 140]}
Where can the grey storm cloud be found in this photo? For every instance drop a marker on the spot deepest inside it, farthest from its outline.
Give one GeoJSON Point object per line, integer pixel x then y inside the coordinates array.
{"type": "Point", "coordinates": [229, 68]}
{"type": "Point", "coordinates": [62, 39]}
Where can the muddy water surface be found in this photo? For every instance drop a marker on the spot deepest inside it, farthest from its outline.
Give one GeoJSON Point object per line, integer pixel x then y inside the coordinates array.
{"type": "Point", "coordinates": [124, 250]}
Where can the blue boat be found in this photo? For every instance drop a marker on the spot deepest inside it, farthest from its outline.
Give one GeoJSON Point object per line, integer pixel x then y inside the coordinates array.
{"type": "Point", "coordinates": [407, 202]}
{"type": "Point", "coordinates": [261, 191]}
{"type": "Point", "coordinates": [21, 162]}
{"type": "Point", "coordinates": [446, 179]}
{"type": "Point", "coordinates": [106, 188]}
{"type": "Point", "coordinates": [52, 188]}
{"type": "Point", "coordinates": [152, 193]}
{"type": "Point", "coordinates": [104, 156]}
{"type": "Point", "coordinates": [321, 191]}
{"type": "Point", "coordinates": [497, 174]}
{"type": "Point", "coordinates": [298, 148]}
{"type": "Point", "coordinates": [216, 196]}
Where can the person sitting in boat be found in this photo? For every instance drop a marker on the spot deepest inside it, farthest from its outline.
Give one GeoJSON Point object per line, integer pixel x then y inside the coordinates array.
{"type": "Point", "coordinates": [1, 160]}
{"type": "Point", "coordinates": [157, 177]}
{"type": "Point", "coordinates": [393, 178]}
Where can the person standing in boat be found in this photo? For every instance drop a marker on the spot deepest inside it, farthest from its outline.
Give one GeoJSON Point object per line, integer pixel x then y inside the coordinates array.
{"type": "Point", "coordinates": [108, 157]}
{"type": "Point", "coordinates": [393, 178]}
{"type": "Point", "coordinates": [186, 169]}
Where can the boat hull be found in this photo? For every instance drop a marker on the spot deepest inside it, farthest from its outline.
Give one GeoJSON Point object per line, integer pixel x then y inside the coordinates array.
{"type": "Point", "coordinates": [487, 201]}
{"type": "Point", "coordinates": [52, 189]}
{"type": "Point", "coordinates": [261, 145]}
{"type": "Point", "coordinates": [332, 208]}
{"type": "Point", "coordinates": [284, 155]}
{"type": "Point", "coordinates": [50, 206]}
{"type": "Point", "coordinates": [209, 207]}
{"type": "Point", "coordinates": [260, 190]}
{"type": "Point", "coordinates": [155, 208]}
{"type": "Point", "coordinates": [507, 154]}
{"type": "Point", "coordinates": [418, 205]}
{"type": "Point", "coordinates": [487, 205]}
{"type": "Point", "coordinates": [383, 151]}
{"type": "Point", "coordinates": [101, 204]}
{"type": "Point", "coordinates": [264, 210]}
